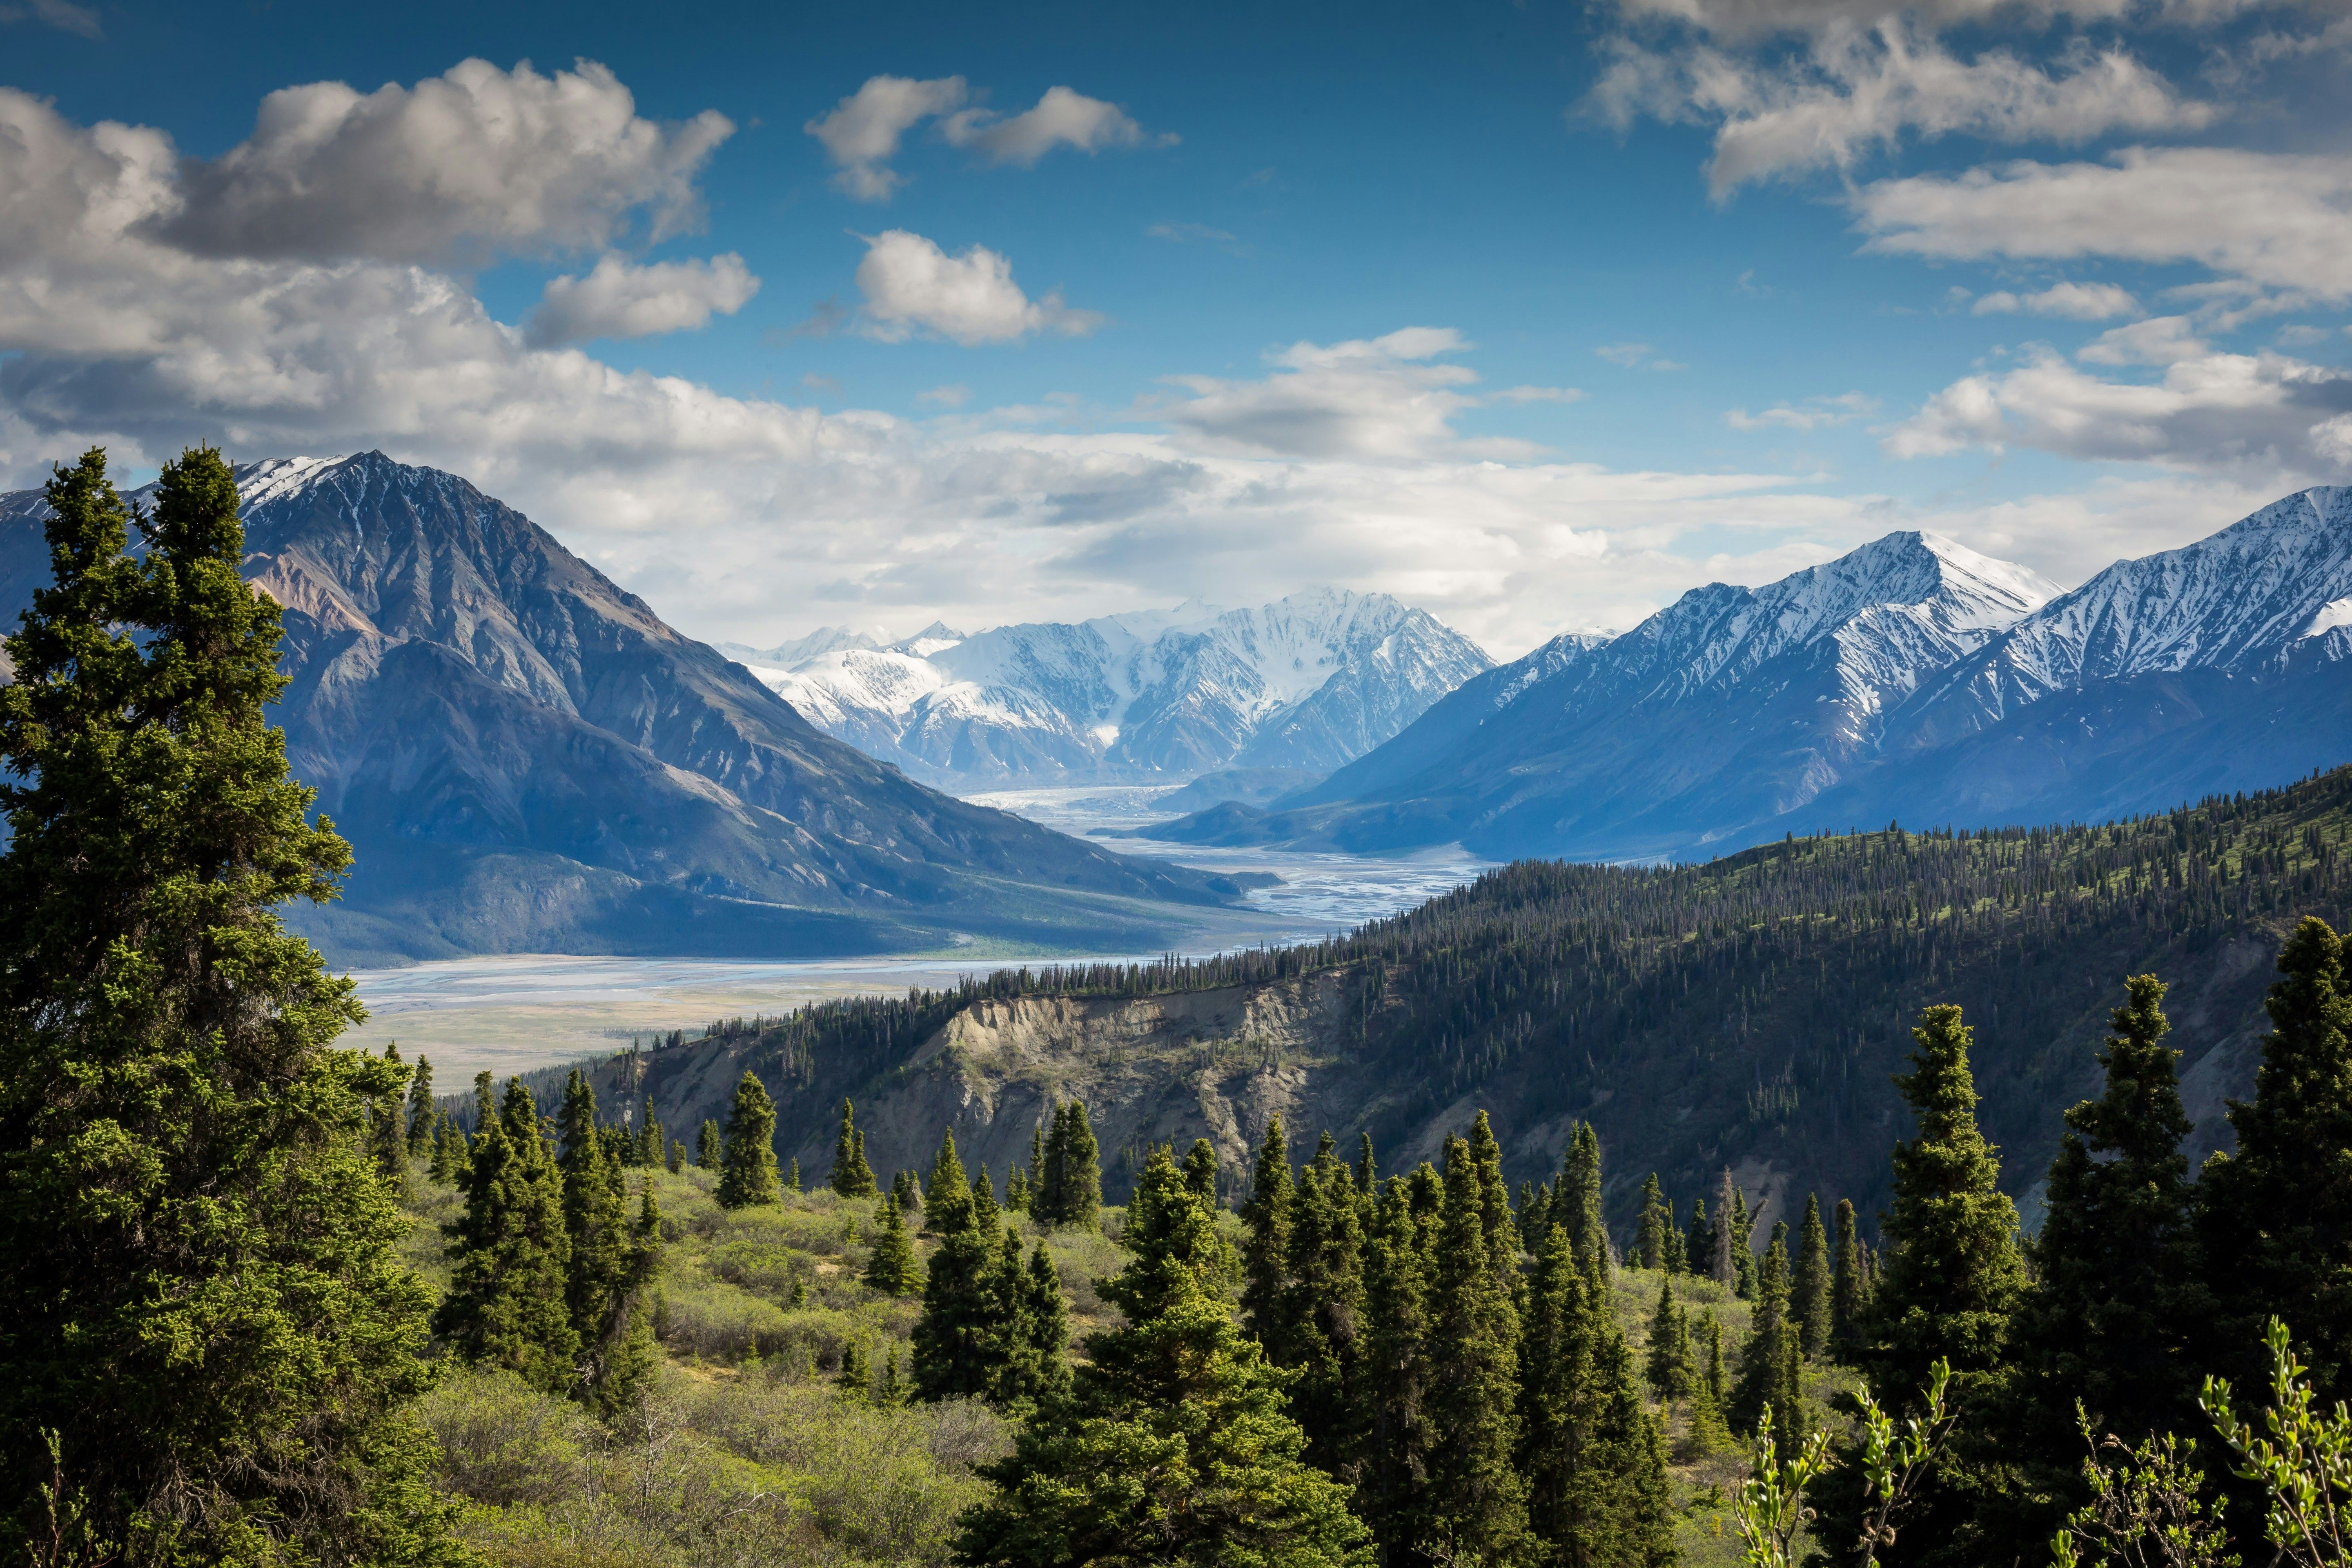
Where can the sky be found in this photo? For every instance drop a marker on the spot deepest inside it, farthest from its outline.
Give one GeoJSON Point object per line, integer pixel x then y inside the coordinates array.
{"type": "Point", "coordinates": [1534, 315]}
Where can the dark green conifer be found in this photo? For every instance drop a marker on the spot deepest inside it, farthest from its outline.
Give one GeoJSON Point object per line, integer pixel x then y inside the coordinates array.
{"type": "Point", "coordinates": [1016, 1192]}
{"type": "Point", "coordinates": [1727, 1236]}
{"type": "Point", "coordinates": [2275, 1217]}
{"type": "Point", "coordinates": [651, 1144]}
{"type": "Point", "coordinates": [947, 1196]}
{"type": "Point", "coordinates": [1845, 1278]}
{"type": "Point", "coordinates": [200, 1286]}
{"type": "Point", "coordinates": [792, 1176]}
{"type": "Point", "coordinates": [448, 1152]}
{"type": "Point", "coordinates": [1174, 1445]}
{"type": "Point", "coordinates": [1266, 1252]}
{"type": "Point", "coordinates": [1073, 1185]}
{"type": "Point", "coordinates": [1698, 1243]}
{"type": "Point", "coordinates": [1200, 1171]}
{"type": "Point", "coordinates": [891, 1265]}
{"type": "Point", "coordinates": [1743, 1244]}
{"type": "Point", "coordinates": [1398, 1430]}
{"type": "Point", "coordinates": [1769, 1381]}
{"type": "Point", "coordinates": [1494, 1200]}
{"type": "Point", "coordinates": [420, 1111]}
{"type": "Point", "coordinates": [852, 1177]}
{"type": "Point", "coordinates": [1707, 1432]}
{"type": "Point", "coordinates": [747, 1155]}
{"type": "Point", "coordinates": [706, 1145]}
{"type": "Point", "coordinates": [1535, 1216]}
{"type": "Point", "coordinates": [1036, 1374]}
{"type": "Point", "coordinates": [1578, 1202]}
{"type": "Point", "coordinates": [1594, 1461]}
{"type": "Point", "coordinates": [1808, 1283]}
{"type": "Point", "coordinates": [971, 1306]}
{"type": "Point", "coordinates": [388, 1126]}
{"type": "Point", "coordinates": [855, 1380]}
{"type": "Point", "coordinates": [1656, 1225]}
{"type": "Point", "coordinates": [1367, 1170]}
{"type": "Point", "coordinates": [507, 1304]}
{"type": "Point", "coordinates": [1474, 1504]}
{"type": "Point", "coordinates": [1322, 1311]}
{"type": "Point", "coordinates": [1667, 1359]}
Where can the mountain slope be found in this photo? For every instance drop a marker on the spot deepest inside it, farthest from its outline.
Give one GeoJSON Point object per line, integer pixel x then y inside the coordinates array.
{"type": "Point", "coordinates": [525, 757]}
{"type": "Point", "coordinates": [1308, 683]}
{"type": "Point", "coordinates": [1706, 724]}
{"type": "Point", "coordinates": [1749, 1012]}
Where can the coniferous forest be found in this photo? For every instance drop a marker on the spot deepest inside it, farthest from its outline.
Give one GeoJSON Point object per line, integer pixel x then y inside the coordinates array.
{"type": "Point", "coordinates": [266, 1299]}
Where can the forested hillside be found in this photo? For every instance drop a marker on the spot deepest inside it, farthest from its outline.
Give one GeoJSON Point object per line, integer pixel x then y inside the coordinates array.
{"type": "Point", "coordinates": [1747, 1012]}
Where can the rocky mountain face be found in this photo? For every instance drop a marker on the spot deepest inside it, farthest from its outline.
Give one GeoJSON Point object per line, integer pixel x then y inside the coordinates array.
{"type": "Point", "coordinates": [1307, 683]}
{"type": "Point", "coordinates": [527, 758]}
{"type": "Point", "coordinates": [1912, 679]}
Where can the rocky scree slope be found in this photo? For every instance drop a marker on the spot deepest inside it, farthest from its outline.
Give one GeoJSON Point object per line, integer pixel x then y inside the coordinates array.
{"type": "Point", "coordinates": [527, 758]}
{"type": "Point", "coordinates": [1746, 1013]}
{"type": "Point", "coordinates": [1306, 683]}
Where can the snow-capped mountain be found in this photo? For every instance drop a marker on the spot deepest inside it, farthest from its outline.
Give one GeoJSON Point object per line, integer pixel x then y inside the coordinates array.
{"type": "Point", "coordinates": [1911, 679]}
{"type": "Point", "coordinates": [1309, 682]}
{"type": "Point", "coordinates": [527, 758]}
{"type": "Point", "coordinates": [1731, 707]}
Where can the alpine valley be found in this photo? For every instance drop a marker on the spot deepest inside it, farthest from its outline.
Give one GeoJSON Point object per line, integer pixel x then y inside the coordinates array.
{"type": "Point", "coordinates": [526, 758]}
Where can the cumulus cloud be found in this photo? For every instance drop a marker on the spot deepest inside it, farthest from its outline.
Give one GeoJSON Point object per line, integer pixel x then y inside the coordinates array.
{"type": "Point", "coordinates": [623, 299]}
{"type": "Point", "coordinates": [2224, 413]}
{"type": "Point", "coordinates": [1753, 20]}
{"type": "Point", "coordinates": [862, 134]}
{"type": "Point", "coordinates": [912, 286]}
{"type": "Point", "coordinates": [864, 130]}
{"type": "Point", "coordinates": [1366, 397]}
{"type": "Point", "coordinates": [2075, 301]}
{"type": "Point", "coordinates": [1061, 118]}
{"type": "Point", "coordinates": [1537, 395]}
{"type": "Point", "coordinates": [1854, 91]}
{"type": "Point", "coordinates": [475, 163]}
{"type": "Point", "coordinates": [63, 15]}
{"type": "Point", "coordinates": [1811, 414]}
{"type": "Point", "coordinates": [2271, 219]}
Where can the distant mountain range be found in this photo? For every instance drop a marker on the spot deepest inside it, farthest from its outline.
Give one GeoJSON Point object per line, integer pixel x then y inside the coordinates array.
{"type": "Point", "coordinates": [1913, 679]}
{"type": "Point", "coordinates": [1307, 684]}
{"type": "Point", "coordinates": [527, 759]}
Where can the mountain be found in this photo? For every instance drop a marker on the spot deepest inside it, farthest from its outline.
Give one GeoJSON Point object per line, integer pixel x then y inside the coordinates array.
{"type": "Point", "coordinates": [1307, 683]}
{"type": "Point", "coordinates": [1749, 1013]}
{"type": "Point", "coordinates": [1709, 723]}
{"type": "Point", "coordinates": [799, 650]}
{"type": "Point", "coordinates": [526, 758]}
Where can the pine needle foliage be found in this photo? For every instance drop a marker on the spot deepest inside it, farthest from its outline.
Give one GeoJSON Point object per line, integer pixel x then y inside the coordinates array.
{"type": "Point", "coordinates": [747, 1155]}
{"type": "Point", "coordinates": [199, 1282]}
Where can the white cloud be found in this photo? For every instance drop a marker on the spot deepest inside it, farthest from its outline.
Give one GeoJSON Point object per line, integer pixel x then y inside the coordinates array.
{"type": "Point", "coordinates": [2159, 340]}
{"type": "Point", "coordinates": [1854, 90]}
{"type": "Point", "coordinates": [1061, 118]}
{"type": "Point", "coordinates": [474, 162]}
{"type": "Point", "coordinates": [2076, 301]}
{"type": "Point", "coordinates": [912, 286]}
{"type": "Point", "coordinates": [63, 15]}
{"type": "Point", "coordinates": [2244, 414]}
{"type": "Point", "coordinates": [1364, 398]}
{"type": "Point", "coordinates": [862, 134]}
{"type": "Point", "coordinates": [1811, 414]}
{"type": "Point", "coordinates": [1754, 20]}
{"type": "Point", "coordinates": [2276, 220]}
{"type": "Point", "coordinates": [1537, 395]}
{"type": "Point", "coordinates": [951, 396]}
{"type": "Point", "coordinates": [623, 299]}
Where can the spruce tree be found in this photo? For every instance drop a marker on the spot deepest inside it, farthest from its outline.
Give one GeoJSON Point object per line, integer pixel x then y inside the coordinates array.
{"type": "Point", "coordinates": [1494, 1198]}
{"type": "Point", "coordinates": [947, 1195]}
{"type": "Point", "coordinates": [1174, 1445]}
{"type": "Point", "coordinates": [201, 1283]}
{"type": "Point", "coordinates": [1265, 1251]}
{"type": "Point", "coordinates": [1367, 1170]}
{"type": "Point", "coordinates": [1398, 1430]}
{"type": "Point", "coordinates": [1073, 1194]}
{"type": "Point", "coordinates": [706, 1146]}
{"type": "Point", "coordinates": [511, 1256]}
{"type": "Point", "coordinates": [747, 1155]}
{"type": "Point", "coordinates": [448, 1152]}
{"type": "Point", "coordinates": [1016, 1192]}
{"type": "Point", "coordinates": [1708, 1430]}
{"type": "Point", "coordinates": [388, 1127]}
{"type": "Point", "coordinates": [1474, 1504]}
{"type": "Point", "coordinates": [793, 1175]}
{"type": "Point", "coordinates": [1579, 1194]}
{"type": "Point", "coordinates": [1845, 1278]}
{"type": "Point", "coordinates": [420, 1111]}
{"type": "Point", "coordinates": [1767, 1360]}
{"type": "Point", "coordinates": [1322, 1311]}
{"type": "Point", "coordinates": [1200, 1171]}
{"type": "Point", "coordinates": [1743, 1244]}
{"type": "Point", "coordinates": [1698, 1245]}
{"type": "Point", "coordinates": [852, 1177]}
{"type": "Point", "coordinates": [1667, 1359]}
{"type": "Point", "coordinates": [1656, 1225]}
{"type": "Point", "coordinates": [1808, 1283]}
{"type": "Point", "coordinates": [1037, 1367]}
{"type": "Point", "coordinates": [1594, 1461]}
{"type": "Point", "coordinates": [1952, 1277]}
{"type": "Point", "coordinates": [891, 1266]}
{"type": "Point", "coordinates": [1724, 1238]}
{"type": "Point", "coordinates": [972, 1304]}
{"type": "Point", "coordinates": [2275, 1217]}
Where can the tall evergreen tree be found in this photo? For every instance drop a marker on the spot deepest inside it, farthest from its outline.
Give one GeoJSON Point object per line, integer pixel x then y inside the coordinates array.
{"type": "Point", "coordinates": [1768, 1360]}
{"type": "Point", "coordinates": [1668, 1362]}
{"type": "Point", "coordinates": [1174, 1446]}
{"type": "Point", "coordinates": [947, 1195]}
{"type": "Point", "coordinates": [706, 1146]}
{"type": "Point", "coordinates": [1953, 1275]}
{"type": "Point", "coordinates": [388, 1126]}
{"type": "Point", "coordinates": [972, 1305]}
{"type": "Point", "coordinates": [852, 1177]}
{"type": "Point", "coordinates": [1367, 1170]}
{"type": "Point", "coordinates": [511, 1256]}
{"type": "Point", "coordinates": [1265, 1251]}
{"type": "Point", "coordinates": [420, 1111]}
{"type": "Point", "coordinates": [611, 1262]}
{"type": "Point", "coordinates": [1594, 1462]}
{"type": "Point", "coordinates": [1322, 1311]}
{"type": "Point", "coordinates": [1724, 1239]}
{"type": "Point", "coordinates": [1845, 1278]}
{"type": "Point", "coordinates": [1474, 1504]}
{"type": "Point", "coordinates": [1808, 1283]}
{"type": "Point", "coordinates": [891, 1265]}
{"type": "Point", "coordinates": [747, 1156]}
{"type": "Point", "coordinates": [651, 1142]}
{"type": "Point", "coordinates": [1036, 1372]}
{"type": "Point", "coordinates": [1200, 1171]}
{"type": "Point", "coordinates": [1579, 1195]}
{"type": "Point", "coordinates": [1656, 1225]}
{"type": "Point", "coordinates": [1073, 1186]}
{"type": "Point", "coordinates": [1698, 1245]}
{"type": "Point", "coordinates": [448, 1152]}
{"type": "Point", "coordinates": [200, 1281]}
{"type": "Point", "coordinates": [1743, 1244]}
{"type": "Point", "coordinates": [793, 1175]}
{"type": "Point", "coordinates": [2275, 1217]}
{"type": "Point", "coordinates": [1398, 1423]}
{"type": "Point", "coordinates": [1016, 1192]}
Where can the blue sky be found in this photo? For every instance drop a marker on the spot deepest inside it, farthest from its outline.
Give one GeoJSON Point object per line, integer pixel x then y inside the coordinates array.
{"type": "Point", "coordinates": [1535, 315]}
